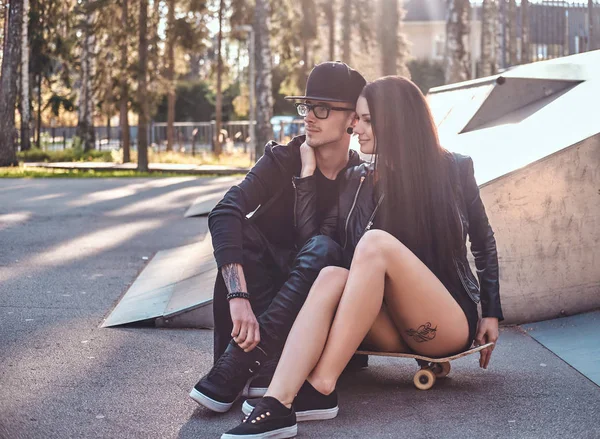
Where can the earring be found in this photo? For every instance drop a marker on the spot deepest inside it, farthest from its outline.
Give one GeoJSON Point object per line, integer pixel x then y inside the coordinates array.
{"type": "Point", "coordinates": [349, 130]}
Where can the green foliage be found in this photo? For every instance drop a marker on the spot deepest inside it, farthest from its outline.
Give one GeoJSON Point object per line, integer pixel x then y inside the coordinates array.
{"type": "Point", "coordinates": [426, 74]}
{"type": "Point", "coordinates": [194, 101]}
{"type": "Point", "coordinates": [20, 172]}
{"type": "Point", "coordinates": [74, 154]}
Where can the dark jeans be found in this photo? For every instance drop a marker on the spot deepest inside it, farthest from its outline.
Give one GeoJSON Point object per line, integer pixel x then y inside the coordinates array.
{"type": "Point", "coordinates": [278, 283]}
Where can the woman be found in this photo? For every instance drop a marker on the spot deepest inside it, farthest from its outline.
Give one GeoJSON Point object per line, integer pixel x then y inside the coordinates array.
{"type": "Point", "coordinates": [409, 288]}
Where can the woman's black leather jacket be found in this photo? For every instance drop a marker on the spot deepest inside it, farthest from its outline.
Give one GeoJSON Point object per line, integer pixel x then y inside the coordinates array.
{"type": "Point", "coordinates": [356, 210]}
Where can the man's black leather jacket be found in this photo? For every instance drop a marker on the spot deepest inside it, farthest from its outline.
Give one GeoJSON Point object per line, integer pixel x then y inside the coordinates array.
{"type": "Point", "coordinates": [357, 207]}
{"type": "Point", "coordinates": [267, 192]}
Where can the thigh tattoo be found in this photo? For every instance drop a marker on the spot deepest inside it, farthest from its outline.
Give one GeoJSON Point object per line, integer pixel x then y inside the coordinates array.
{"type": "Point", "coordinates": [423, 333]}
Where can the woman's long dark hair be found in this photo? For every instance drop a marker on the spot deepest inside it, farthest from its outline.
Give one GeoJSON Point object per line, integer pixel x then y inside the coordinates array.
{"type": "Point", "coordinates": [414, 173]}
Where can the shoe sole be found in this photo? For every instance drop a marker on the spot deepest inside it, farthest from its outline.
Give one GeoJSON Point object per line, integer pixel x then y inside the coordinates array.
{"type": "Point", "coordinates": [209, 403]}
{"type": "Point", "coordinates": [308, 415]}
{"type": "Point", "coordinates": [282, 433]}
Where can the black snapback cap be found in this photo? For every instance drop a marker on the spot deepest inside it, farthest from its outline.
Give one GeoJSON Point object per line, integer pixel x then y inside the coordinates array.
{"type": "Point", "coordinates": [333, 81]}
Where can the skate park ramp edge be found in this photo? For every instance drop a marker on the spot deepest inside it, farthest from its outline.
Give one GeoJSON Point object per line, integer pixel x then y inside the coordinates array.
{"type": "Point", "coordinates": [174, 290]}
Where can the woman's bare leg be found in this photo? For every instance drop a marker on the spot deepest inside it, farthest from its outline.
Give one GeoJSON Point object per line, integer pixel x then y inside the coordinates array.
{"type": "Point", "coordinates": [306, 339]}
{"type": "Point", "coordinates": [429, 319]}
{"type": "Point", "coordinates": [384, 336]}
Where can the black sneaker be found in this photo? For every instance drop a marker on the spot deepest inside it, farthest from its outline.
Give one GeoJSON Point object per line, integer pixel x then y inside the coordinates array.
{"type": "Point", "coordinates": [269, 419]}
{"type": "Point", "coordinates": [219, 389]}
{"type": "Point", "coordinates": [257, 386]}
{"type": "Point", "coordinates": [309, 404]}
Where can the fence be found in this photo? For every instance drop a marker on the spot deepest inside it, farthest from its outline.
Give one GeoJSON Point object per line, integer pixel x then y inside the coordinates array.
{"type": "Point", "coordinates": [554, 29]}
{"type": "Point", "coordinates": [189, 137]}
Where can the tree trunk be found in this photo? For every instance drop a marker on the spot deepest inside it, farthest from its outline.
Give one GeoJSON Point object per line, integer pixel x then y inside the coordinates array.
{"type": "Point", "coordinates": [219, 100]}
{"type": "Point", "coordinates": [171, 76]}
{"type": "Point", "coordinates": [525, 46]}
{"type": "Point", "coordinates": [500, 46]}
{"type": "Point", "coordinates": [85, 123]}
{"type": "Point", "coordinates": [264, 76]}
{"type": "Point", "coordinates": [25, 103]}
{"type": "Point", "coordinates": [143, 89]}
{"type": "Point", "coordinates": [330, 16]}
{"type": "Point", "coordinates": [388, 36]}
{"type": "Point", "coordinates": [489, 19]}
{"type": "Point", "coordinates": [457, 32]}
{"type": "Point", "coordinates": [108, 127]}
{"type": "Point", "coordinates": [39, 111]}
{"type": "Point", "coordinates": [347, 32]}
{"type": "Point", "coordinates": [124, 120]}
{"type": "Point", "coordinates": [511, 31]}
{"type": "Point", "coordinates": [8, 84]}
{"type": "Point", "coordinates": [591, 33]}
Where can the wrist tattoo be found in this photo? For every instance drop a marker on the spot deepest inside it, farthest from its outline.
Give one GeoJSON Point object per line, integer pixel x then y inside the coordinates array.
{"type": "Point", "coordinates": [231, 278]}
{"type": "Point", "coordinates": [423, 333]}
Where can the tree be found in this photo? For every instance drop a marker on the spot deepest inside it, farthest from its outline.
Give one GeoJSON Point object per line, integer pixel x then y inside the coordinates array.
{"type": "Point", "coordinates": [357, 22]}
{"type": "Point", "coordinates": [525, 46]}
{"type": "Point", "coordinates": [511, 33]}
{"type": "Point", "coordinates": [264, 77]}
{"type": "Point", "coordinates": [500, 42]}
{"type": "Point", "coordinates": [219, 103]}
{"type": "Point", "coordinates": [25, 102]}
{"type": "Point", "coordinates": [308, 33]}
{"type": "Point", "coordinates": [347, 31]}
{"type": "Point", "coordinates": [85, 124]}
{"type": "Point", "coordinates": [457, 32]}
{"type": "Point", "coordinates": [8, 83]}
{"type": "Point", "coordinates": [489, 21]}
{"type": "Point", "coordinates": [329, 8]}
{"type": "Point", "coordinates": [124, 101]}
{"type": "Point", "coordinates": [392, 44]}
{"type": "Point", "coordinates": [143, 89]}
{"type": "Point", "coordinates": [171, 38]}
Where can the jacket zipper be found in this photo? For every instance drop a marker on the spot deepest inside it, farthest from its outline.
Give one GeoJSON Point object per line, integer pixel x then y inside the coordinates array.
{"type": "Point", "coordinates": [370, 223]}
{"type": "Point", "coordinates": [362, 179]}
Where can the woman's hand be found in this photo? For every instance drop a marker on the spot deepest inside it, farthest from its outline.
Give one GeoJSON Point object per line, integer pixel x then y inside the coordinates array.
{"type": "Point", "coordinates": [309, 161]}
{"type": "Point", "coordinates": [487, 332]}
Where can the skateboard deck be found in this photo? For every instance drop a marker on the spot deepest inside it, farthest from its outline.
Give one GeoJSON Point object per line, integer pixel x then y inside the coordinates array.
{"type": "Point", "coordinates": [432, 368]}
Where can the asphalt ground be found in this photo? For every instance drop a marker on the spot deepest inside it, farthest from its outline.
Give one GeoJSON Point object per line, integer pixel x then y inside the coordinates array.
{"type": "Point", "coordinates": [69, 249]}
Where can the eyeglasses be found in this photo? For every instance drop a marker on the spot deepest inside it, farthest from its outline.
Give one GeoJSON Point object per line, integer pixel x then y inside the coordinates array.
{"type": "Point", "coordinates": [320, 111]}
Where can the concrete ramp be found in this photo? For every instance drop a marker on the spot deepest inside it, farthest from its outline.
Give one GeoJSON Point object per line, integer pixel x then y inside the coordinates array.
{"type": "Point", "coordinates": [534, 137]}
{"type": "Point", "coordinates": [211, 194]}
{"type": "Point", "coordinates": [174, 290]}
{"type": "Point", "coordinates": [574, 339]}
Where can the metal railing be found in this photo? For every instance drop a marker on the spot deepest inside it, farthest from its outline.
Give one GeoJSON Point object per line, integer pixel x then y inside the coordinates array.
{"type": "Point", "coordinates": [555, 28]}
{"type": "Point", "coordinates": [189, 137]}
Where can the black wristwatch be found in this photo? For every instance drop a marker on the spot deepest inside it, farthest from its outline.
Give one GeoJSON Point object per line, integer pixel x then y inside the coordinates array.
{"type": "Point", "coordinates": [238, 295]}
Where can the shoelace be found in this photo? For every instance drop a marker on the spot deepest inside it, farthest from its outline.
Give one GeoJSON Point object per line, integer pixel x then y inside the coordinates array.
{"type": "Point", "coordinates": [226, 371]}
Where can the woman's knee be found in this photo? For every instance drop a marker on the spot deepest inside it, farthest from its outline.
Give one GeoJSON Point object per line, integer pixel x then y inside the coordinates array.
{"type": "Point", "coordinates": [333, 276]}
{"type": "Point", "coordinates": [372, 246]}
{"type": "Point", "coordinates": [329, 284]}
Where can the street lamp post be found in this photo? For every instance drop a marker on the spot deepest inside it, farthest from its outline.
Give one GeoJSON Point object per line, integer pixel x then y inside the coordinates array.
{"type": "Point", "coordinates": [251, 81]}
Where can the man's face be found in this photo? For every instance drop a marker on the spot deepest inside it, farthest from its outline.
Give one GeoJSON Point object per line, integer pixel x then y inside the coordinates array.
{"type": "Point", "coordinates": [321, 132]}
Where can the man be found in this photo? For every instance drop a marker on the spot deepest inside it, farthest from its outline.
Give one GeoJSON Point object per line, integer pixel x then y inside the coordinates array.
{"type": "Point", "coordinates": [265, 270]}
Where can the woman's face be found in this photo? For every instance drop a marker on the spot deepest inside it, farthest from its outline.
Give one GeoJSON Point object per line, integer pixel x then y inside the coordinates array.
{"type": "Point", "coordinates": [363, 127]}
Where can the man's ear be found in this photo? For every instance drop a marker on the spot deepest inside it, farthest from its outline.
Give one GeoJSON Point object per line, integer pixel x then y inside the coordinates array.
{"type": "Point", "coordinates": [354, 119]}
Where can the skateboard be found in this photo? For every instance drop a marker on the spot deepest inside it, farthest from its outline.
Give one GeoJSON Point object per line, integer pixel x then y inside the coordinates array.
{"type": "Point", "coordinates": [431, 368]}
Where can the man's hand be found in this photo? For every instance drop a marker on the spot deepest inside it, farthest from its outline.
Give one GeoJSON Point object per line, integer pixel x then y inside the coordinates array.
{"type": "Point", "coordinates": [245, 327]}
{"type": "Point", "coordinates": [309, 161]}
{"type": "Point", "coordinates": [487, 332]}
